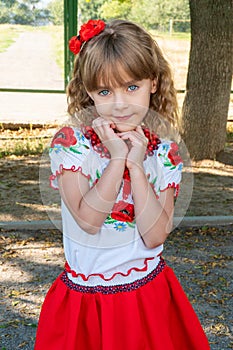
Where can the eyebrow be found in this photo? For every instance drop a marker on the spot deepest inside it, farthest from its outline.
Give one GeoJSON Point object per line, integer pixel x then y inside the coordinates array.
{"type": "Point", "coordinates": [131, 82]}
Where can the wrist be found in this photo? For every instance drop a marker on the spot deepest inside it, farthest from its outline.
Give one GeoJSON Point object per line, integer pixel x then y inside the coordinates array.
{"type": "Point", "coordinates": [117, 162]}
{"type": "Point", "coordinates": [119, 157]}
{"type": "Point", "coordinates": [136, 170]}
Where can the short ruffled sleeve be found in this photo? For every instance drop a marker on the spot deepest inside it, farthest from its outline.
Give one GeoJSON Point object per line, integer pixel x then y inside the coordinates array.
{"type": "Point", "coordinates": [68, 151]}
{"type": "Point", "coordinates": [169, 166]}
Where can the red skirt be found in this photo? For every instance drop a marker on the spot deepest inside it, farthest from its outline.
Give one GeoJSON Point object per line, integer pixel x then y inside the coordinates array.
{"type": "Point", "coordinates": [152, 313]}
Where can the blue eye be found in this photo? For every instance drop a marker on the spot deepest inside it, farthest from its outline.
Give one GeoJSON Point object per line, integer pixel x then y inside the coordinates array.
{"type": "Point", "coordinates": [132, 88]}
{"type": "Point", "coordinates": [103, 92]}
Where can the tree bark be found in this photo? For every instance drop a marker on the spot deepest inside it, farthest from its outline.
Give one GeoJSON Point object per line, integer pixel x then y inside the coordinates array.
{"type": "Point", "coordinates": [206, 103]}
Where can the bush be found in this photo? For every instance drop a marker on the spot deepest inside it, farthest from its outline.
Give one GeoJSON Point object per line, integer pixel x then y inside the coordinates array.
{"type": "Point", "coordinates": [5, 15]}
{"type": "Point", "coordinates": [56, 10]}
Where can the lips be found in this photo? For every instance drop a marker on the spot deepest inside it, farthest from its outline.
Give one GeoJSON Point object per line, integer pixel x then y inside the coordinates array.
{"type": "Point", "coordinates": [123, 117]}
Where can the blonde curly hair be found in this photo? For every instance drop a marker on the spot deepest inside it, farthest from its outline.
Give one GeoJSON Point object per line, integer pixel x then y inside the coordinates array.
{"type": "Point", "coordinates": [122, 45]}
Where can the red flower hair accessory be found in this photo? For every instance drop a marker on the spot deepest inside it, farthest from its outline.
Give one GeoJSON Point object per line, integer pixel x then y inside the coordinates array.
{"type": "Point", "coordinates": [88, 30]}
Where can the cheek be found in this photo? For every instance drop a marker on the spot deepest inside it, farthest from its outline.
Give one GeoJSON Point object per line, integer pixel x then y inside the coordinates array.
{"type": "Point", "coordinates": [143, 100]}
{"type": "Point", "coordinates": [103, 109]}
{"type": "Point", "coordinates": [142, 109]}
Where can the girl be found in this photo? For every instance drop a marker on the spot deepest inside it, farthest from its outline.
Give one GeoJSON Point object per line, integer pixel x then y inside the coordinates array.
{"type": "Point", "coordinates": [117, 181]}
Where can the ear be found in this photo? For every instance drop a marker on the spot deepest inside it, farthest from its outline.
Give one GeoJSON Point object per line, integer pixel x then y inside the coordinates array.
{"type": "Point", "coordinates": [153, 86]}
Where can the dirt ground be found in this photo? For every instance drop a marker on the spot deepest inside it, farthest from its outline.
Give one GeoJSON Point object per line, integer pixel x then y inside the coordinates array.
{"type": "Point", "coordinates": [31, 259]}
{"type": "Point", "coordinates": [24, 179]}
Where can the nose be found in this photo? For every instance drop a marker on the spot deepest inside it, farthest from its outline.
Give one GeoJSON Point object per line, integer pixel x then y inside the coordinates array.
{"type": "Point", "coordinates": [120, 102]}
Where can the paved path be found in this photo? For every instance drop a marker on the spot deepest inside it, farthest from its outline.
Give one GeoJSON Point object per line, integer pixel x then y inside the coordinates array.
{"type": "Point", "coordinates": [26, 108]}
{"type": "Point", "coordinates": [29, 64]}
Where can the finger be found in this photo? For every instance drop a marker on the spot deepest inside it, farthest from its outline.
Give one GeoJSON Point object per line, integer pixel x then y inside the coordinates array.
{"type": "Point", "coordinates": [97, 122]}
{"type": "Point", "coordinates": [103, 129]}
{"type": "Point", "coordinates": [133, 134]}
{"type": "Point", "coordinates": [135, 139]}
{"type": "Point", "coordinates": [112, 125]}
{"type": "Point", "coordinates": [140, 130]}
{"type": "Point", "coordinates": [100, 124]}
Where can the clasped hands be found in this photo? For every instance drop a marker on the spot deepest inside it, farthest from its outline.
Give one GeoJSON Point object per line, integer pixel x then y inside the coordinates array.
{"type": "Point", "coordinates": [129, 145]}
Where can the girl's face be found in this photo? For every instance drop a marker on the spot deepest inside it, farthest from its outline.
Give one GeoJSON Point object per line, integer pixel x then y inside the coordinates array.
{"type": "Point", "coordinates": [125, 106]}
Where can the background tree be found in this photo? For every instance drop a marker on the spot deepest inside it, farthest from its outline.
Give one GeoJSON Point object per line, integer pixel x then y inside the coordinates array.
{"type": "Point", "coordinates": [151, 14]}
{"type": "Point", "coordinates": [4, 14]}
{"type": "Point", "coordinates": [8, 3]}
{"type": "Point", "coordinates": [90, 9]}
{"type": "Point", "coordinates": [206, 103]}
{"type": "Point", "coordinates": [177, 10]}
{"type": "Point", "coordinates": [147, 13]}
{"type": "Point", "coordinates": [55, 7]}
{"type": "Point", "coordinates": [115, 9]}
{"type": "Point", "coordinates": [5, 10]}
{"type": "Point", "coordinates": [22, 12]}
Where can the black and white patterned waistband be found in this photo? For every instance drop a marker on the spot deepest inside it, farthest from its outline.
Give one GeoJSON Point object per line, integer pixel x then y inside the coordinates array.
{"type": "Point", "coordinates": [113, 289]}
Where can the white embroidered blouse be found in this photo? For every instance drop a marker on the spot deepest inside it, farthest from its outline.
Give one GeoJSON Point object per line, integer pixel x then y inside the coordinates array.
{"type": "Point", "coordinates": [115, 254]}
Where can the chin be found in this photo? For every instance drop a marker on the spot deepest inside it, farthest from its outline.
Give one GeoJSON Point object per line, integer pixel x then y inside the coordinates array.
{"type": "Point", "coordinates": [125, 127]}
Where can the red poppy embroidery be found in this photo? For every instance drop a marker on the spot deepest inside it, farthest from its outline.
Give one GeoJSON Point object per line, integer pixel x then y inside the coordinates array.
{"type": "Point", "coordinates": [64, 137]}
{"type": "Point", "coordinates": [173, 154]}
{"type": "Point", "coordinates": [123, 211]}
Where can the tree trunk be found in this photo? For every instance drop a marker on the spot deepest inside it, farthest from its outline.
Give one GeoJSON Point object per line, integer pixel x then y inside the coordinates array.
{"type": "Point", "coordinates": [206, 103]}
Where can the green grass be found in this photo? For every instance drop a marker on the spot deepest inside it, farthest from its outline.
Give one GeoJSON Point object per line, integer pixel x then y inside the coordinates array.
{"type": "Point", "coordinates": [9, 34]}
{"type": "Point", "coordinates": [24, 147]}
{"type": "Point", "coordinates": [57, 33]}
{"type": "Point", "coordinates": [230, 133]}
{"type": "Point", "coordinates": [24, 142]}
{"type": "Point", "coordinates": [174, 36]}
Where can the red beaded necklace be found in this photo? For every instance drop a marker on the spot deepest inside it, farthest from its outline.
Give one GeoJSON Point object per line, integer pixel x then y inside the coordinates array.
{"type": "Point", "coordinates": [90, 134]}
{"type": "Point", "coordinates": [153, 142]}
